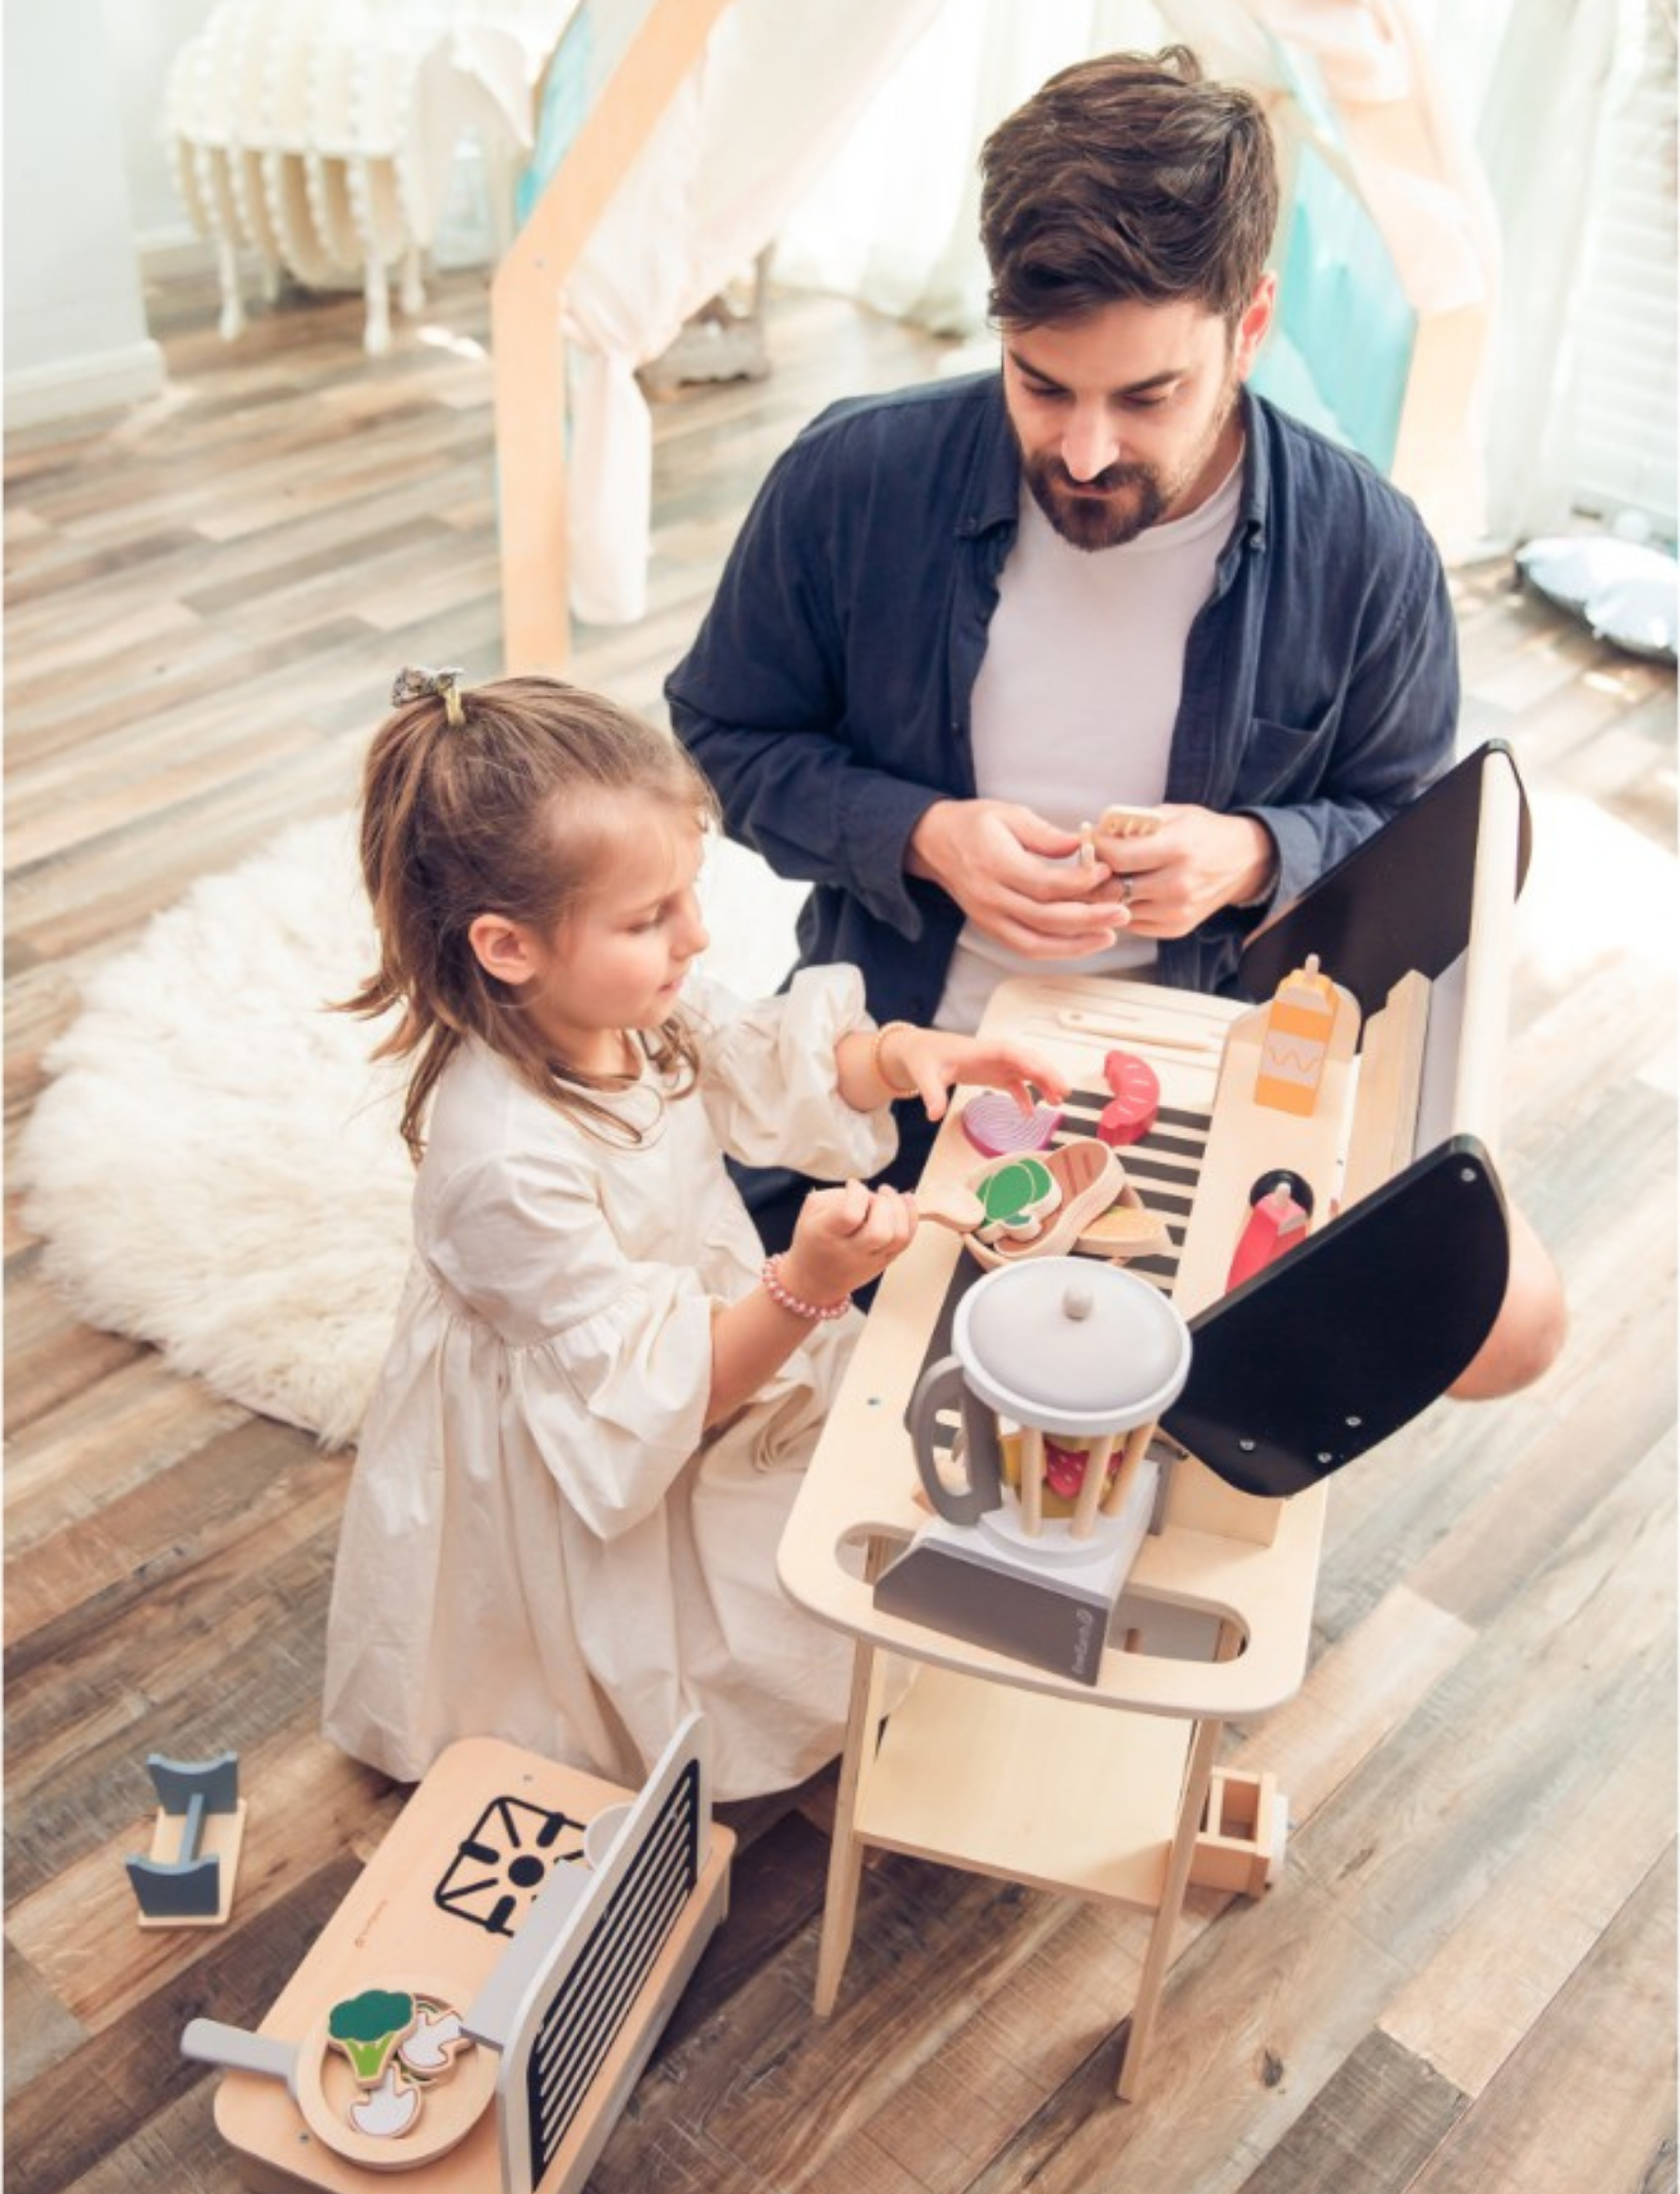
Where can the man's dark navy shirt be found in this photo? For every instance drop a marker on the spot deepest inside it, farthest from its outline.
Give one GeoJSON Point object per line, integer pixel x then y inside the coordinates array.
{"type": "Point", "coordinates": [828, 694]}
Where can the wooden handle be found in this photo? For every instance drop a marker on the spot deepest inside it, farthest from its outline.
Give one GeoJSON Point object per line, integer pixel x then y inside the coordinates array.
{"type": "Point", "coordinates": [949, 1204]}
{"type": "Point", "coordinates": [1131, 1463]}
{"type": "Point", "coordinates": [1477, 1082]}
{"type": "Point", "coordinates": [211, 2042]}
{"type": "Point", "coordinates": [1091, 1488]}
{"type": "Point", "coordinates": [1128, 1032]}
{"type": "Point", "coordinates": [1032, 1481]}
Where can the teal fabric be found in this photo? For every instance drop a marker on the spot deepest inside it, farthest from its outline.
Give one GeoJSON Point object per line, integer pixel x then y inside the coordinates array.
{"type": "Point", "coordinates": [566, 101]}
{"type": "Point", "coordinates": [1340, 349]}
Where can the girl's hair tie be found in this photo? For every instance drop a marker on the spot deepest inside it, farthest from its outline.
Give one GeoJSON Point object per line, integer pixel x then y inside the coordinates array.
{"type": "Point", "coordinates": [414, 683]}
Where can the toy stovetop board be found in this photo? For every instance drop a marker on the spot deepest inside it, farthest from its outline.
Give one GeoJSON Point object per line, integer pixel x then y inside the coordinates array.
{"type": "Point", "coordinates": [475, 2013]}
{"type": "Point", "coordinates": [1401, 903]}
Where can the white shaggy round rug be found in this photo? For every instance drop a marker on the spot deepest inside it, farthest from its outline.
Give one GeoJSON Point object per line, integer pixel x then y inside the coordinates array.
{"type": "Point", "coordinates": [214, 1166]}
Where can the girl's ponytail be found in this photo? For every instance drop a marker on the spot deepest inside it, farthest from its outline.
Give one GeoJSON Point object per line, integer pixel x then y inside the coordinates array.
{"type": "Point", "coordinates": [477, 799]}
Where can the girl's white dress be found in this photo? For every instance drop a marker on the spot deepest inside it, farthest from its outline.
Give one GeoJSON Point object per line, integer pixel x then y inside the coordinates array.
{"type": "Point", "coordinates": [541, 1541]}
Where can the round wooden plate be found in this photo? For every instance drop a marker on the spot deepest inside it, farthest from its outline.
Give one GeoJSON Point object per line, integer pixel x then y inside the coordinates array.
{"type": "Point", "coordinates": [451, 2101]}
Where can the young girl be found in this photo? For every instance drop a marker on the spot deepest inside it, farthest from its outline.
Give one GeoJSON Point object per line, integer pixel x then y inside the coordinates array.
{"type": "Point", "coordinates": [588, 1432]}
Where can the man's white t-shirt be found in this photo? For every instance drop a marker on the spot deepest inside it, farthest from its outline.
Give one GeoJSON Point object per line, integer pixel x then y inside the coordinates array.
{"type": "Point", "coordinates": [1078, 696]}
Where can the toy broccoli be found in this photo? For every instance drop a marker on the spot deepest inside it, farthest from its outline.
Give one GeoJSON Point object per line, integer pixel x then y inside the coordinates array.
{"type": "Point", "coordinates": [369, 2027]}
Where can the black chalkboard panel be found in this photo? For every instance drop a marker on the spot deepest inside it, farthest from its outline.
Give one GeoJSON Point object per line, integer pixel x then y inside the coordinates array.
{"type": "Point", "coordinates": [1399, 901]}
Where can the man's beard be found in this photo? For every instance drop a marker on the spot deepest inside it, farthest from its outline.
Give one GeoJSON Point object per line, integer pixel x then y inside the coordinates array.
{"type": "Point", "coordinates": [1093, 520]}
{"type": "Point", "coordinates": [1101, 518]}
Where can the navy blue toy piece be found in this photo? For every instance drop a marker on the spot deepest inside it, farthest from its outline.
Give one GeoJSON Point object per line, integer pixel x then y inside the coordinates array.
{"type": "Point", "coordinates": [189, 1886]}
{"type": "Point", "coordinates": [1401, 1292]}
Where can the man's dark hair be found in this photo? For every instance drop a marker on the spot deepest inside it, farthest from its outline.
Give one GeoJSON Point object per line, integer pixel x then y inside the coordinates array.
{"type": "Point", "coordinates": [1129, 177]}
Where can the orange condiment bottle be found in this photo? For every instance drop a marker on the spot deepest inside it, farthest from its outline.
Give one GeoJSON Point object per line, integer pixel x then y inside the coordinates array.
{"type": "Point", "coordinates": [1297, 1040]}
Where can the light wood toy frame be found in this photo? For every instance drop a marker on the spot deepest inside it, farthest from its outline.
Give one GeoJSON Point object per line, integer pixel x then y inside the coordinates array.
{"type": "Point", "coordinates": [570, 2009]}
{"type": "Point", "coordinates": [999, 1767]}
{"type": "Point", "coordinates": [1240, 1845]}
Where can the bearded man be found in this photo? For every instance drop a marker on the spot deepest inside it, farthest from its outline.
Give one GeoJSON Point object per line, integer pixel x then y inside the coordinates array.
{"type": "Point", "coordinates": [962, 619]}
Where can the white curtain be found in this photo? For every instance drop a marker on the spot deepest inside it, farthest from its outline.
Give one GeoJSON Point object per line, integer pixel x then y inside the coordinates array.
{"type": "Point", "coordinates": [781, 84]}
{"type": "Point", "coordinates": [1479, 137]}
{"type": "Point", "coordinates": [1544, 130]}
{"type": "Point", "coordinates": [847, 132]}
{"type": "Point", "coordinates": [893, 219]}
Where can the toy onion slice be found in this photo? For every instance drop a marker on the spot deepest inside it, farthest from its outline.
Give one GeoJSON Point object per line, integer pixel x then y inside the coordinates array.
{"type": "Point", "coordinates": [995, 1124]}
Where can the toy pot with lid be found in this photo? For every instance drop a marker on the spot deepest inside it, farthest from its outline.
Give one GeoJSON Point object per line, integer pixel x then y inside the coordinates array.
{"type": "Point", "coordinates": [1063, 1355]}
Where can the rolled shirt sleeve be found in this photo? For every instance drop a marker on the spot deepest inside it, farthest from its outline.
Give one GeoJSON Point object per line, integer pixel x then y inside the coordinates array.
{"type": "Point", "coordinates": [769, 1083]}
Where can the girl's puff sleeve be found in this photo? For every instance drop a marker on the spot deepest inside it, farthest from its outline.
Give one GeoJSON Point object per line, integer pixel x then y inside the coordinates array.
{"type": "Point", "coordinates": [608, 1361]}
{"type": "Point", "coordinates": [768, 1077]}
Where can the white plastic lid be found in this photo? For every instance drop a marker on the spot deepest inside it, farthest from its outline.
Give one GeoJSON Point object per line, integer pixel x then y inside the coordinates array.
{"type": "Point", "coordinates": [1071, 1345]}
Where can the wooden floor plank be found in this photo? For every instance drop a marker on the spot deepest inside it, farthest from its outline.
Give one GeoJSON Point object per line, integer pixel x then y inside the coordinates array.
{"type": "Point", "coordinates": [51, 1357]}
{"type": "Point", "coordinates": [1469, 2009]}
{"type": "Point", "coordinates": [1565, 1679]}
{"type": "Point", "coordinates": [1589, 2098]}
{"type": "Point", "coordinates": [1380, 2118]}
{"type": "Point", "coordinates": [132, 2069]}
{"type": "Point", "coordinates": [1258, 2016]}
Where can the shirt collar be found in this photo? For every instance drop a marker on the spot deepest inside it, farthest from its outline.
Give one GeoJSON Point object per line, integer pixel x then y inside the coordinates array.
{"type": "Point", "coordinates": [993, 497]}
{"type": "Point", "coordinates": [1250, 529]}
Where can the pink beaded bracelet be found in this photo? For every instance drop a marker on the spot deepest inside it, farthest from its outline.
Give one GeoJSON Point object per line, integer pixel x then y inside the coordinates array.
{"type": "Point", "coordinates": [779, 1295]}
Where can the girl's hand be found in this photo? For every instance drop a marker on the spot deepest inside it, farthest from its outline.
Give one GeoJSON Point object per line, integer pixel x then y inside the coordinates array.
{"type": "Point", "coordinates": [936, 1063]}
{"type": "Point", "coordinates": [844, 1237]}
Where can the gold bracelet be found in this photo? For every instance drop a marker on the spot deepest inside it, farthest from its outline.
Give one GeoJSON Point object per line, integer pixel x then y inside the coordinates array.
{"type": "Point", "coordinates": [893, 1088]}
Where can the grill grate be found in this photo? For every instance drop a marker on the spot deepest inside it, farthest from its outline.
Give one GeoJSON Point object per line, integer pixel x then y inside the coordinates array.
{"type": "Point", "coordinates": [581, 2023]}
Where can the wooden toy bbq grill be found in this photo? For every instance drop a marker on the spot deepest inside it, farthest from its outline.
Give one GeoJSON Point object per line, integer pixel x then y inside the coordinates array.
{"type": "Point", "coordinates": [1012, 1769]}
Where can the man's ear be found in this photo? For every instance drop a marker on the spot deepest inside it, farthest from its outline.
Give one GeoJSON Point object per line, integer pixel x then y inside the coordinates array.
{"type": "Point", "coordinates": [1255, 321]}
{"type": "Point", "coordinates": [503, 949]}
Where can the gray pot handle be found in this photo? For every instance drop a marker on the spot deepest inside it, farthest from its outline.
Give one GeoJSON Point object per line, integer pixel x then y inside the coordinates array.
{"type": "Point", "coordinates": [981, 1459]}
{"type": "Point", "coordinates": [210, 2042]}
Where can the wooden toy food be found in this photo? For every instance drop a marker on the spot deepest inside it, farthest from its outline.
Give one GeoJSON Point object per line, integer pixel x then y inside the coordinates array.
{"type": "Point", "coordinates": [1137, 1098]}
{"type": "Point", "coordinates": [1277, 1220]}
{"type": "Point", "coordinates": [1014, 1193]}
{"type": "Point", "coordinates": [994, 1122]}
{"type": "Point", "coordinates": [1299, 1027]}
{"type": "Point", "coordinates": [1087, 1178]}
{"type": "Point", "coordinates": [1127, 1229]}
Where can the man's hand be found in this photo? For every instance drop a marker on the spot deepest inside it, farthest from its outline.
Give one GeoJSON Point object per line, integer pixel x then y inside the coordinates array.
{"type": "Point", "coordinates": [1015, 877]}
{"type": "Point", "coordinates": [1196, 862]}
